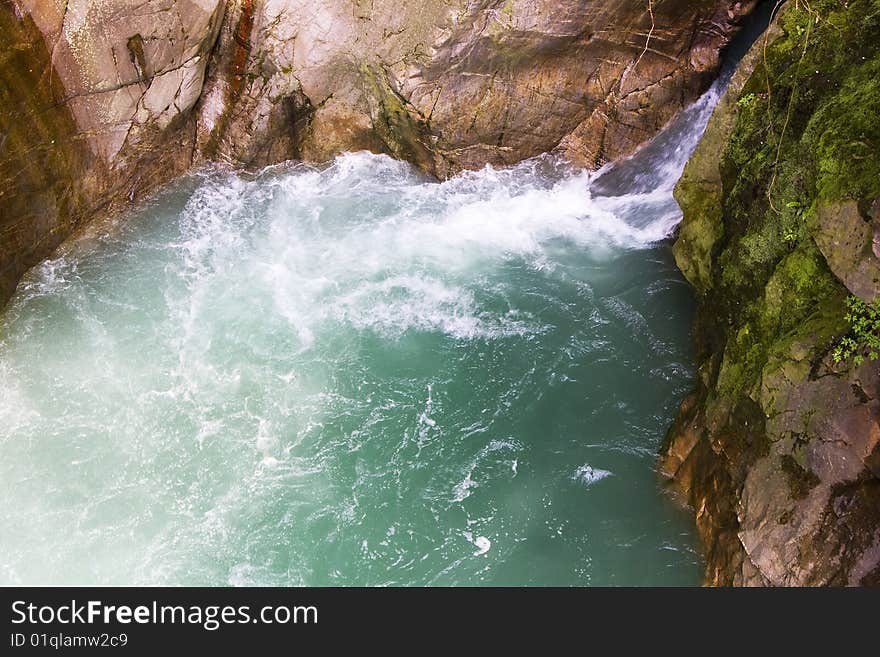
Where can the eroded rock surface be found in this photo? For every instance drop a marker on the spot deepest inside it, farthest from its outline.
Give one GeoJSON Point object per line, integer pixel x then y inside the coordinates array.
{"type": "Point", "coordinates": [96, 101]}
{"type": "Point", "coordinates": [458, 84]}
{"type": "Point", "coordinates": [849, 243]}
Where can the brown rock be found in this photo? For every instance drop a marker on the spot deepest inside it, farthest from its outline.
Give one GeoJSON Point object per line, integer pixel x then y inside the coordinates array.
{"type": "Point", "coordinates": [850, 244]}
{"type": "Point", "coordinates": [95, 110]}
{"type": "Point", "coordinates": [458, 84]}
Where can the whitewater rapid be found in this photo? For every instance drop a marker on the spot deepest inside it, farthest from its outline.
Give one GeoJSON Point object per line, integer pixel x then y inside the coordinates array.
{"type": "Point", "coordinates": [354, 374]}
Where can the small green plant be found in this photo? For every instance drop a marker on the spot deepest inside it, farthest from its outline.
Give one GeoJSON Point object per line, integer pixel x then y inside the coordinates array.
{"type": "Point", "coordinates": [864, 335]}
{"type": "Point", "coordinates": [790, 234]}
{"type": "Point", "coordinates": [747, 102]}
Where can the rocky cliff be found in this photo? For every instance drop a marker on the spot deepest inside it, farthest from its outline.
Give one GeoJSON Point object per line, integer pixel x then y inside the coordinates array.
{"type": "Point", "coordinates": [778, 449]}
{"type": "Point", "coordinates": [96, 109]}
{"type": "Point", "coordinates": [102, 100]}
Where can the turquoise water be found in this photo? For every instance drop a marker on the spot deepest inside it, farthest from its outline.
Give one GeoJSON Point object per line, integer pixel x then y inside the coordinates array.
{"type": "Point", "coordinates": [356, 375]}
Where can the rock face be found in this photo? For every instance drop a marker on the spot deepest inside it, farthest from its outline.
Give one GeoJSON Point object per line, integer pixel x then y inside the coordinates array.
{"type": "Point", "coordinates": [457, 84]}
{"type": "Point", "coordinates": [778, 449]}
{"type": "Point", "coordinates": [95, 109]}
{"type": "Point", "coordinates": [102, 100]}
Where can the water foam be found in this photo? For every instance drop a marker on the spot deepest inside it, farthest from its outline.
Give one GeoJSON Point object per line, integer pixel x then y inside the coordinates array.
{"type": "Point", "coordinates": [587, 474]}
{"type": "Point", "coordinates": [395, 264]}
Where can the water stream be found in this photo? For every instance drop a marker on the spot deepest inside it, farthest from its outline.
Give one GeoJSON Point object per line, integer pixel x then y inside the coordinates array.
{"type": "Point", "coordinates": [355, 375]}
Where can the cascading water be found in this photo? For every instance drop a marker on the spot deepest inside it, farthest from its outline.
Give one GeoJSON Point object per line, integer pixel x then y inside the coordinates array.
{"type": "Point", "coordinates": [355, 375]}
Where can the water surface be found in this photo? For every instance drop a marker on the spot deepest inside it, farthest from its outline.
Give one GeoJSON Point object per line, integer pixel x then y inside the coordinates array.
{"type": "Point", "coordinates": [356, 375]}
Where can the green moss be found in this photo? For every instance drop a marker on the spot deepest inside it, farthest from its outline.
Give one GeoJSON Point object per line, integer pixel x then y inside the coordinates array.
{"type": "Point", "coordinates": [844, 134]}
{"type": "Point", "coordinates": [807, 131]}
{"type": "Point", "coordinates": [403, 133]}
{"type": "Point", "coordinates": [800, 285]}
{"type": "Point", "coordinates": [699, 233]}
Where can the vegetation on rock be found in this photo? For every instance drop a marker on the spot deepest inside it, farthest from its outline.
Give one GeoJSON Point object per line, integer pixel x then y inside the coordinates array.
{"type": "Point", "coordinates": [779, 238]}
{"type": "Point", "coordinates": [806, 133]}
{"type": "Point", "coordinates": [864, 336]}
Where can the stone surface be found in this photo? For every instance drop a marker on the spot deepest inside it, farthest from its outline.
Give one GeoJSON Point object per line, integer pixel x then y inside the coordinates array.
{"type": "Point", "coordinates": [458, 84]}
{"type": "Point", "coordinates": [699, 192]}
{"type": "Point", "coordinates": [124, 66]}
{"type": "Point", "coordinates": [848, 242]}
{"type": "Point", "coordinates": [95, 110]}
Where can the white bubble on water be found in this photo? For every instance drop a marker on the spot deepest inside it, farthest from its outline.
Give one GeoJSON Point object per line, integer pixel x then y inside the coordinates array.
{"type": "Point", "coordinates": [587, 474]}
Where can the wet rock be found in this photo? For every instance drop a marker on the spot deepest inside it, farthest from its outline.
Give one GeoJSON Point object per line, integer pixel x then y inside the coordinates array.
{"type": "Point", "coordinates": [124, 66]}
{"type": "Point", "coordinates": [95, 110]}
{"type": "Point", "coordinates": [105, 99]}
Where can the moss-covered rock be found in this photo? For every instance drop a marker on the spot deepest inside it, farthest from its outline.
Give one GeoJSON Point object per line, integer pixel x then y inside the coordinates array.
{"type": "Point", "coordinates": [778, 231]}
{"type": "Point", "coordinates": [699, 192]}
